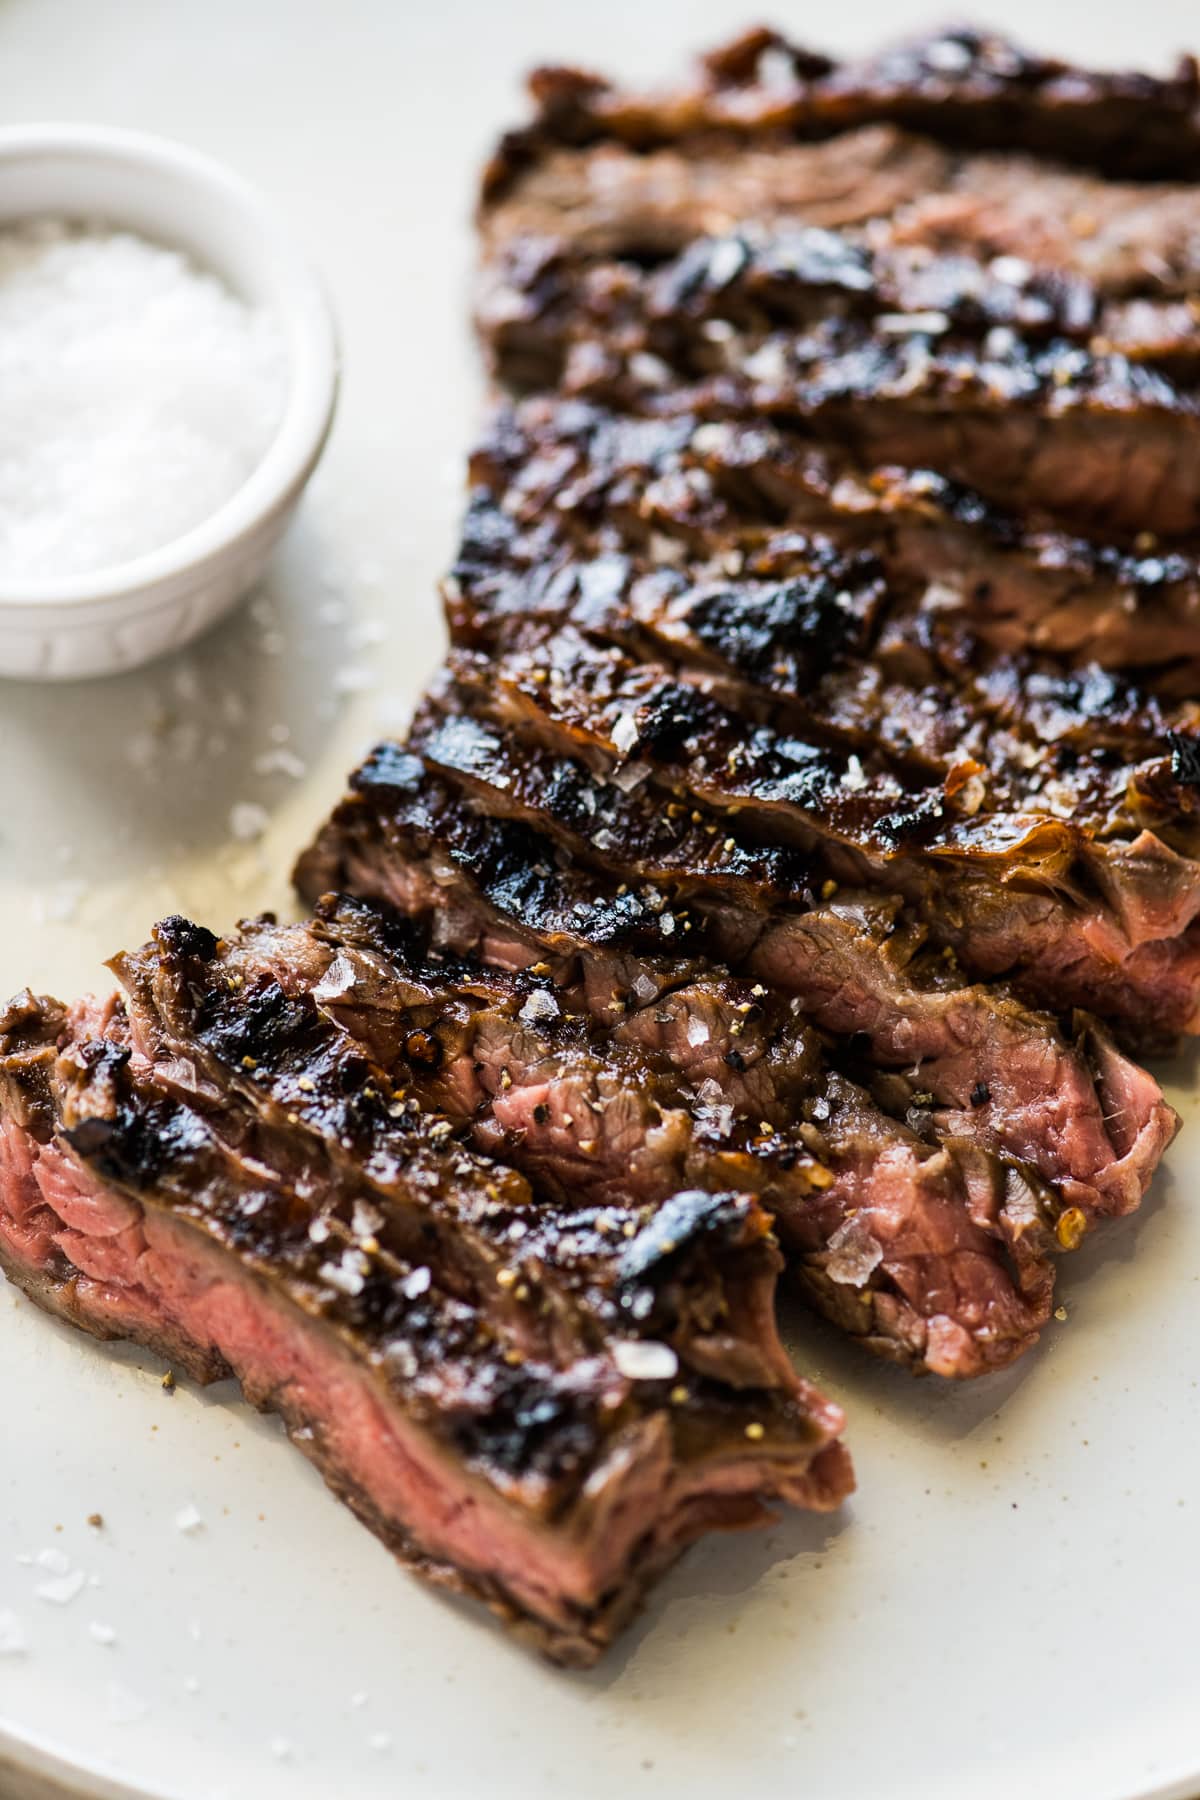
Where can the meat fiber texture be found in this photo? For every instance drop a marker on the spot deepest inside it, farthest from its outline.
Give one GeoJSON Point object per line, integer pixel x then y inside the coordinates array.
{"type": "Point", "coordinates": [965, 1068]}
{"type": "Point", "coordinates": [800, 824]}
{"type": "Point", "coordinates": [842, 364]}
{"type": "Point", "coordinates": [955, 257]}
{"type": "Point", "coordinates": [538, 1403]}
{"type": "Point", "coordinates": [781, 652]}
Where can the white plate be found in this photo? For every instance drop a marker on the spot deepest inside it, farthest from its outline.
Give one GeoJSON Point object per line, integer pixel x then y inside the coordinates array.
{"type": "Point", "coordinates": [1006, 1607]}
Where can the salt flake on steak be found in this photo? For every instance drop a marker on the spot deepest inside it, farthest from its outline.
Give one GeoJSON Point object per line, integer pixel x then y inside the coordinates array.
{"type": "Point", "coordinates": [640, 1359]}
{"type": "Point", "coordinates": [854, 1254]}
{"type": "Point", "coordinates": [541, 1008]}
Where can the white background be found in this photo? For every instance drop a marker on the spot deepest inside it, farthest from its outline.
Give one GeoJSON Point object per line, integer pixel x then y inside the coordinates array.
{"type": "Point", "coordinates": [1007, 1605]}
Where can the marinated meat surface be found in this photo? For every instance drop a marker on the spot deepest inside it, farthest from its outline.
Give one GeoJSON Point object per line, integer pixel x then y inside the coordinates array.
{"type": "Point", "coordinates": [791, 689]}
{"type": "Point", "coordinates": [706, 1080]}
{"type": "Point", "coordinates": [693, 1081]}
{"type": "Point", "coordinates": [875, 184]}
{"type": "Point", "coordinates": [717, 498]}
{"type": "Point", "coordinates": [732, 300]}
{"type": "Point", "coordinates": [962, 88]}
{"type": "Point", "coordinates": [542, 1414]}
{"type": "Point", "coordinates": [967, 1061]}
{"type": "Point", "coordinates": [1090, 902]}
{"type": "Point", "coordinates": [953, 266]}
{"type": "Point", "coordinates": [1036, 394]}
{"type": "Point", "coordinates": [810, 786]}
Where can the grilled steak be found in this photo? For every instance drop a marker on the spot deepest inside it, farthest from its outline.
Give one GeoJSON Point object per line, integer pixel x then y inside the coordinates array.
{"type": "Point", "coordinates": [718, 498]}
{"type": "Point", "coordinates": [906, 266]}
{"type": "Point", "coordinates": [1075, 886]}
{"type": "Point", "coordinates": [1036, 398]}
{"type": "Point", "coordinates": [964, 89]}
{"type": "Point", "coordinates": [709, 1081]}
{"type": "Point", "coordinates": [793, 755]}
{"type": "Point", "coordinates": [952, 1059]}
{"type": "Point", "coordinates": [751, 682]}
{"type": "Point", "coordinates": [1038, 816]}
{"type": "Point", "coordinates": [539, 1402]}
{"type": "Point", "coordinates": [691, 1083]}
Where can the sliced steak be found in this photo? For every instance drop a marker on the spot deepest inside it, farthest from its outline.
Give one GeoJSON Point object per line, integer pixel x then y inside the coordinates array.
{"type": "Point", "coordinates": [704, 1083]}
{"type": "Point", "coordinates": [1080, 431]}
{"type": "Point", "coordinates": [1041, 817]}
{"type": "Point", "coordinates": [558, 479]}
{"type": "Point", "coordinates": [730, 299]}
{"type": "Point", "coordinates": [952, 265]}
{"type": "Point", "coordinates": [1036, 834]}
{"type": "Point", "coordinates": [963, 89]}
{"type": "Point", "coordinates": [552, 1487]}
{"type": "Point", "coordinates": [701, 1083]}
{"type": "Point", "coordinates": [513, 891]}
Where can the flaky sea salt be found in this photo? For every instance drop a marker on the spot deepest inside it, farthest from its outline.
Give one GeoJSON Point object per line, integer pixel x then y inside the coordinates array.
{"type": "Point", "coordinates": [248, 820]}
{"type": "Point", "coordinates": [139, 396]}
{"type": "Point", "coordinates": [60, 1590]}
{"type": "Point", "coordinates": [188, 1518]}
{"type": "Point", "coordinates": [541, 1008]}
{"type": "Point", "coordinates": [366, 1220]}
{"type": "Point", "coordinates": [641, 1359]}
{"type": "Point", "coordinates": [625, 732]}
{"type": "Point", "coordinates": [854, 1253]}
{"type": "Point", "coordinates": [337, 980]}
{"type": "Point", "coordinates": [279, 762]}
{"type": "Point", "coordinates": [349, 1275]}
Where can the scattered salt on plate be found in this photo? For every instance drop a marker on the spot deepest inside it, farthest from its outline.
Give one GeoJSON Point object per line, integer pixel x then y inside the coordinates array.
{"type": "Point", "coordinates": [188, 1518]}
{"type": "Point", "coordinates": [353, 680]}
{"type": "Point", "coordinates": [60, 1590]}
{"type": "Point", "coordinates": [248, 820]}
{"type": "Point", "coordinates": [280, 762]}
{"type": "Point", "coordinates": [13, 1641]}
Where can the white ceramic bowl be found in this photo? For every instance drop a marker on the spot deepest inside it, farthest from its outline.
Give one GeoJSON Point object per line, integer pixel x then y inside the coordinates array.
{"type": "Point", "coordinates": [118, 618]}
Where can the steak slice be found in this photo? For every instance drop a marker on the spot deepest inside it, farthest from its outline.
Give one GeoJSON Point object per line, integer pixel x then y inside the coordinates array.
{"type": "Point", "coordinates": [622, 1110]}
{"type": "Point", "coordinates": [935, 1253]}
{"type": "Point", "coordinates": [708, 499]}
{"type": "Point", "coordinates": [1040, 818]}
{"type": "Point", "coordinates": [964, 89]}
{"type": "Point", "coordinates": [553, 1487]}
{"type": "Point", "coordinates": [1078, 429]}
{"type": "Point", "coordinates": [519, 890]}
{"type": "Point", "coordinates": [960, 299]}
{"type": "Point", "coordinates": [1057, 858]}
{"type": "Point", "coordinates": [713, 307]}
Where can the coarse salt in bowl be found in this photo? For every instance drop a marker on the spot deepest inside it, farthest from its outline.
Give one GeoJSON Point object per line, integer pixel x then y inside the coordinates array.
{"type": "Point", "coordinates": [119, 209]}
